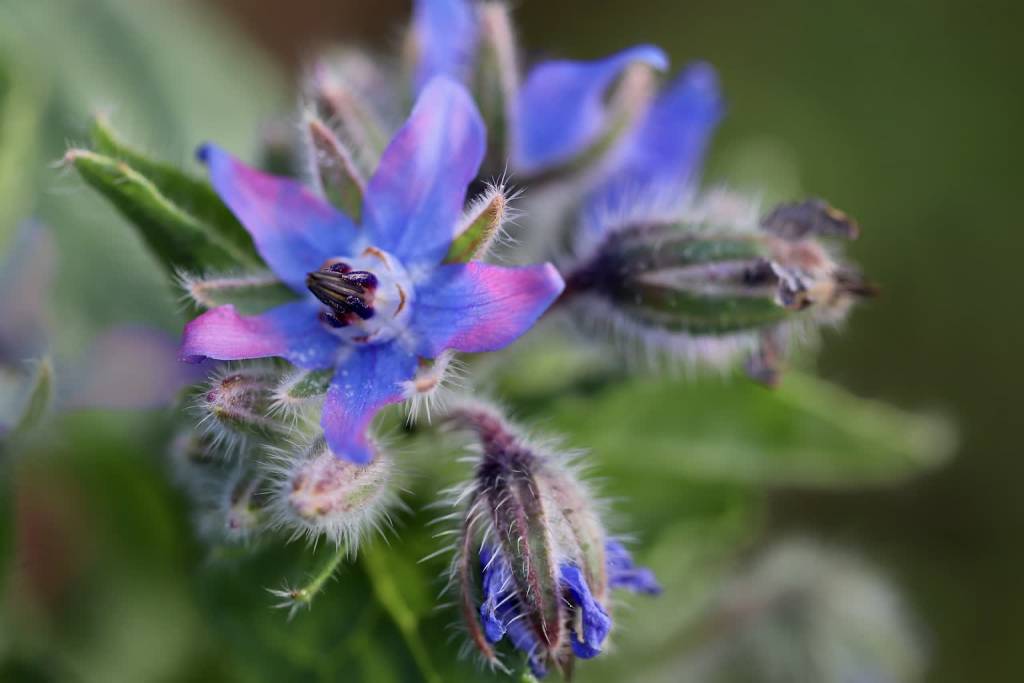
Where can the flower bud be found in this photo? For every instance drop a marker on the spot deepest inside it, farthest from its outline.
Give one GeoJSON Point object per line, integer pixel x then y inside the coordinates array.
{"type": "Point", "coordinates": [319, 494]}
{"type": "Point", "coordinates": [236, 512]}
{"type": "Point", "coordinates": [710, 283]}
{"type": "Point", "coordinates": [236, 403]}
{"type": "Point", "coordinates": [545, 561]}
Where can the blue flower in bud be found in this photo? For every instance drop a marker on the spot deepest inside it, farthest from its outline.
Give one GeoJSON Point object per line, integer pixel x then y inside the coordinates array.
{"type": "Point", "coordinates": [545, 563]}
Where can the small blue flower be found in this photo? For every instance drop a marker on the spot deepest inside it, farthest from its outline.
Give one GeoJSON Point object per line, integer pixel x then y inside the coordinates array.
{"type": "Point", "coordinates": [559, 110]}
{"type": "Point", "coordinates": [373, 298]}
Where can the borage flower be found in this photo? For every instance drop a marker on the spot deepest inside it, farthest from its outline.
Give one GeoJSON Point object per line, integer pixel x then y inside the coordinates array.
{"type": "Point", "coordinates": [546, 564]}
{"type": "Point", "coordinates": [374, 299]}
{"type": "Point", "coordinates": [559, 114]}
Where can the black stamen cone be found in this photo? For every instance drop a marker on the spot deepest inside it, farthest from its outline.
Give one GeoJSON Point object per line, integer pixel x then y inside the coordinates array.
{"type": "Point", "coordinates": [344, 291]}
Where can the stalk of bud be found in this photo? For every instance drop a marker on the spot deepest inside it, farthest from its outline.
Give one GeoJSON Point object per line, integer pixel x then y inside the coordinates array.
{"type": "Point", "coordinates": [533, 562]}
{"type": "Point", "coordinates": [319, 494]}
{"type": "Point", "coordinates": [711, 283]}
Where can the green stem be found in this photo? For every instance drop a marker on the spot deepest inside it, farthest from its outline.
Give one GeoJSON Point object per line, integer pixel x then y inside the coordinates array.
{"type": "Point", "coordinates": [305, 594]}
{"type": "Point", "coordinates": [388, 594]}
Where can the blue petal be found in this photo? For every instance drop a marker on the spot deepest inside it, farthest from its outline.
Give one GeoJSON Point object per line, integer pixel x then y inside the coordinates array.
{"type": "Point", "coordinates": [294, 231]}
{"type": "Point", "coordinates": [445, 32]}
{"type": "Point", "coordinates": [292, 331]}
{"type": "Point", "coordinates": [594, 620]}
{"type": "Point", "coordinates": [499, 612]}
{"type": "Point", "coordinates": [666, 149]}
{"type": "Point", "coordinates": [561, 106]}
{"type": "Point", "coordinates": [369, 379]}
{"type": "Point", "coordinates": [415, 199]}
{"type": "Point", "coordinates": [623, 573]}
{"type": "Point", "coordinates": [475, 307]}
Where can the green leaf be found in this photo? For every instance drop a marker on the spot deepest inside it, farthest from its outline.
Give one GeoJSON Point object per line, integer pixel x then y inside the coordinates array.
{"type": "Point", "coordinates": [179, 239]}
{"type": "Point", "coordinates": [807, 432]}
{"type": "Point", "coordinates": [252, 293]}
{"type": "Point", "coordinates": [192, 195]}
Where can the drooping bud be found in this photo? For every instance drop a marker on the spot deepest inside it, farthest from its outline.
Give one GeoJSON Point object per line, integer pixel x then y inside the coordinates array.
{"type": "Point", "coordinates": [319, 494]}
{"type": "Point", "coordinates": [709, 283]}
{"type": "Point", "coordinates": [533, 561]}
{"type": "Point", "coordinates": [236, 404]}
{"type": "Point", "coordinates": [804, 612]}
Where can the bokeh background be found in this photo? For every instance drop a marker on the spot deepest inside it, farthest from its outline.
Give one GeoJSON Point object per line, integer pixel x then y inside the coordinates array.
{"type": "Point", "coordinates": [904, 114]}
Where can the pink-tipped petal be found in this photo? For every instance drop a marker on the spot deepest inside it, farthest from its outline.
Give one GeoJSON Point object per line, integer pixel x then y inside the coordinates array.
{"type": "Point", "coordinates": [294, 230]}
{"type": "Point", "coordinates": [292, 331]}
{"type": "Point", "coordinates": [476, 307]}
{"type": "Point", "coordinates": [561, 108]}
{"type": "Point", "coordinates": [365, 382]}
{"type": "Point", "coordinates": [414, 200]}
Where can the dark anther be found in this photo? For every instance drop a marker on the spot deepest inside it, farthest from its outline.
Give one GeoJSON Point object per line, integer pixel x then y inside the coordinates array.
{"type": "Point", "coordinates": [344, 291]}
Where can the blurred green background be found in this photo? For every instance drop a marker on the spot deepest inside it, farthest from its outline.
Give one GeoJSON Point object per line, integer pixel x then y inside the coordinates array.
{"type": "Point", "coordinates": [902, 114]}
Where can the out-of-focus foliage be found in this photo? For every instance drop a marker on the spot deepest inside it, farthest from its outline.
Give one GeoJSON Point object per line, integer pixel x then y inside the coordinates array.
{"type": "Point", "coordinates": [109, 583]}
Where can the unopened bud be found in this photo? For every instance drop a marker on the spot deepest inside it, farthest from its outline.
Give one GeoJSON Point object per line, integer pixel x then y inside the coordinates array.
{"type": "Point", "coordinates": [236, 403]}
{"type": "Point", "coordinates": [709, 285]}
{"type": "Point", "coordinates": [320, 494]}
{"type": "Point", "coordinates": [237, 511]}
{"type": "Point", "coordinates": [532, 533]}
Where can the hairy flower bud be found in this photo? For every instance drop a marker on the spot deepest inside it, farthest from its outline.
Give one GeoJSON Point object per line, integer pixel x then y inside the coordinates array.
{"type": "Point", "coordinates": [236, 510]}
{"type": "Point", "coordinates": [319, 494]}
{"type": "Point", "coordinates": [709, 282]}
{"type": "Point", "coordinates": [237, 403]}
{"type": "Point", "coordinates": [545, 561]}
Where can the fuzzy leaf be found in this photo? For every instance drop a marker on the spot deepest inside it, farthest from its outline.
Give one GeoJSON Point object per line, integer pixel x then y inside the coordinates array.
{"type": "Point", "coordinates": [192, 195]}
{"type": "Point", "coordinates": [807, 432]}
{"type": "Point", "coordinates": [334, 169]}
{"type": "Point", "coordinates": [179, 239]}
{"type": "Point", "coordinates": [248, 293]}
{"type": "Point", "coordinates": [304, 386]}
{"type": "Point", "coordinates": [481, 226]}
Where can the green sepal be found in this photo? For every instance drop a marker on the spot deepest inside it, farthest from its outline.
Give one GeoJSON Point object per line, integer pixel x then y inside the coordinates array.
{"type": "Point", "coordinates": [304, 386]}
{"type": "Point", "coordinates": [194, 196]}
{"type": "Point", "coordinates": [179, 239]}
{"type": "Point", "coordinates": [249, 293]}
{"type": "Point", "coordinates": [335, 170]}
{"type": "Point", "coordinates": [481, 227]}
